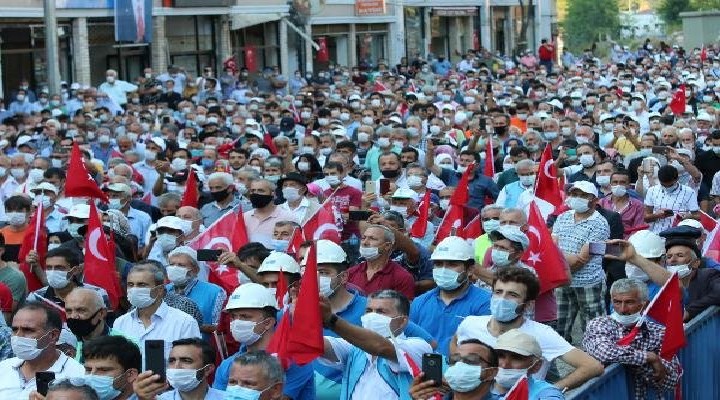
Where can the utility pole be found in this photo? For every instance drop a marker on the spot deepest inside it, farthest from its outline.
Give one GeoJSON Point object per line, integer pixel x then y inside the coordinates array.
{"type": "Point", "coordinates": [51, 48]}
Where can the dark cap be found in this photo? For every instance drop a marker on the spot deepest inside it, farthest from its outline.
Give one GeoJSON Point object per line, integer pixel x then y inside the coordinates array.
{"type": "Point", "coordinates": [689, 243]}
{"type": "Point", "coordinates": [293, 176]}
{"type": "Point", "coordinates": [681, 232]}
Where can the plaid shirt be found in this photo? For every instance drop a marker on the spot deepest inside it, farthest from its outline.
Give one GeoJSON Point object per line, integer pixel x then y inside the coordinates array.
{"type": "Point", "coordinates": [600, 341]}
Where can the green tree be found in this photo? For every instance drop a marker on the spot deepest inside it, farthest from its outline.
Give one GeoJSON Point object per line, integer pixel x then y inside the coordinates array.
{"type": "Point", "coordinates": [703, 5]}
{"type": "Point", "coordinates": [587, 21]}
{"type": "Point", "coordinates": [670, 10]}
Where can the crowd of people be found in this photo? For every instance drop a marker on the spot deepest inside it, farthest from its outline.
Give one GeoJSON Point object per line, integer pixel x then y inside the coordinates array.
{"type": "Point", "coordinates": [634, 141]}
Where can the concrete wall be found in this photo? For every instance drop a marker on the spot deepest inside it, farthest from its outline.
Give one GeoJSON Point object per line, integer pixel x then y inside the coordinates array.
{"type": "Point", "coordinates": [700, 27]}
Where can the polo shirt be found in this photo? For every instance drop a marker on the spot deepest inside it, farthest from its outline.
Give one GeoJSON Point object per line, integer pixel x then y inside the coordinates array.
{"type": "Point", "coordinates": [391, 276]}
{"type": "Point", "coordinates": [211, 212]}
{"type": "Point", "coordinates": [299, 380]}
{"type": "Point", "coordinates": [261, 230]}
{"type": "Point", "coordinates": [14, 386]}
{"type": "Point", "coordinates": [441, 320]}
{"type": "Point", "coordinates": [166, 324]}
{"type": "Point", "coordinates": [572, 236]}
{"type": "Point", "coordinates": [681, 199]}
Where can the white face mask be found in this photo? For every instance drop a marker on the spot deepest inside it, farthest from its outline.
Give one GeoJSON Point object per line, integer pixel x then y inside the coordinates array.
{"type": "Point", "coordinates": [15, 218]}
{"type": "Point", "coordinates": [377, 323]}
{"type": "Point", "coordinates": [26, 348]}
{"type": "Point", "coordinates": [369, 253]}
{"type": "Point", "coordinates": [682, 270]}
{"type": "Point", "coordinates": [291, 193]}
{"type": "Point", "coordinates": [140, 297]}
{"type": "Point", "coordinates": [184, 380]}
{"type": "Point", "coordinates": [507, 377]}
{"type": "Point", "coordinates": [325, 286]}
{"type": "Point", "coordinates": [414, 181]}
{"type": "Point", "coordinates": [625, 319]}
{"type": "Point", "coordinates": [57, 279]}
{"type": "Point", "coordinates": [177, 274]}
{"type": "Point", "coordinates": [244, 331]}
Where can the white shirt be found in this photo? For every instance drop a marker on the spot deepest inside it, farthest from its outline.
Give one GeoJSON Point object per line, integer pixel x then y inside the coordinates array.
{"type": "Point", "coordinates": [300, 212]}
{"type": "Point", "coordinates": [371, 385]}
{"type": "Point", "coordinates": [681, 200]}
{"type": "Point", "coordinates": [14, 386]}
{"type": "Point", "coordinates": [551, 343]}
{"type": "Point", "coordinates": [118, 91]}
{"type": "Point", "coordinates": [166, 324]}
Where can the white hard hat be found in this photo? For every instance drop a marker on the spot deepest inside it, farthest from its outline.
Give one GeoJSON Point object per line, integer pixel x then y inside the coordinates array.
{"type": "Point", "coordinates": [648, 244]}
{"type": "Point", "coordinates": [453, 248]}
{"type": "Point", "coordinates": [251, 295]}
{"type": "Point", "coordinates": [276, 261]}
{"type": "Point", "coordinates": [329, 252]}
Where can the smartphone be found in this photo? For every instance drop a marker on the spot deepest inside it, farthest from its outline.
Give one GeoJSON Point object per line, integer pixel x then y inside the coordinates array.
{"type": "Point", "coordinates": [669, 213]}
{"type": "Point", "coordinates": [43, 380]}
{"type": "Point", "coordinates": [370, 187]}
{"type": "Point", "coordinates": [602, 248]}
{"type": "Point", "coordinates": [384, 186]}
{"type": "Point", "coordinates": [208, 254]}
{"type": "Point", "coordinates": [483, 124]}
{"type": "Point", "coordinates": [488, 87]}
{"type": "Point", "coordinates": [570, 152]}
{"type": "Point", "coordinates": [155, 357]}
{"type": "Point", "coordinates": [439, 142]}
{"type": "Point", "coordinates": [359, 215]}
{"type": "Point", "coordinates": [659, 150]}
{"type": "Point", "coordinates": [432, 368]}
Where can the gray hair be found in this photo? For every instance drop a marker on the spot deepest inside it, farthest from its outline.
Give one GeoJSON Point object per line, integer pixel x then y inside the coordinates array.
{"type": "Point", "coordinates": [185, 251]}
{"type": "Point", "coordinates": [402, 304]}
{"type": "Point", "coordinates": [627, 285]}
{"type": "Point", "coordinates": [97, 300]}
{"type": "Point", "coordinates": [525, 163]}
{"type": "Point", "coordinates": [417, 165]}
{"type": "Point", "coordinates": [385, 130]}
{"type": "Point", "coordinates": [268, 364]}
{"type": "Point", "coordinates": [273, 162]}
{"type": "Point", "coordinates": [272, 185]}
{"type": "Point", "coordinates": [413, 119]}
{"type": "Point", "coordinates": [166, 198]}
{"type": "Point", "coordinates": [225, 177]}
{"type": "Point", "coordinates": [388, 234]}
{"type": "Point", "coordinates": [114, 162]}
{"type": "Point", "coordinates": [145, 266]}
{"type": "Point", "coordinates": [251, 172]}
{"type": "Point", "coordinates": [516, 210]}
{"type": "Point", "coordinates": [491, 207]}
{"type": "Point", "coordinates": [85, 390]}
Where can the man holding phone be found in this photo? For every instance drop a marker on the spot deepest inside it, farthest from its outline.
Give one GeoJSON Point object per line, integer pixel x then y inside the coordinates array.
{"type": "Point", "coordinates": [664, 201]}
{"type": "Point", "coordinates": [36, 329]}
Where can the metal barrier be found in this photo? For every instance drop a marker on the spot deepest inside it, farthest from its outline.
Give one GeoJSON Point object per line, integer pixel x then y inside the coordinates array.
{"type": "Point", "coordinates": [700, 360]}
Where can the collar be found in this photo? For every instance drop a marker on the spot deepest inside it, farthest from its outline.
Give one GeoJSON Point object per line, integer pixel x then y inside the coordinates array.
{"type": "Point", "coordinates": [160, 312]}
{"type": "Point", "coordinates": [304, 202]}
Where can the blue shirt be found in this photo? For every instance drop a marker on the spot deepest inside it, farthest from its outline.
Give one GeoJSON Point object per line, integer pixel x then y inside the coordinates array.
{"type": "Point", "coordinates": [481, 187]}
{"type": "Point", "coordinates": [299, 380]}
{"type": "Point", "coordinates": [139, 222]}
{"type": "Point", "coordinates": [431, 313]}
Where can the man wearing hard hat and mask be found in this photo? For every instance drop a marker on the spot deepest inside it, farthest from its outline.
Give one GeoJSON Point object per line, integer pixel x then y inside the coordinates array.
{"type": "Point", "coordinates": [253, 310]}
{"type": "Point", "coordinates": [441, 310]}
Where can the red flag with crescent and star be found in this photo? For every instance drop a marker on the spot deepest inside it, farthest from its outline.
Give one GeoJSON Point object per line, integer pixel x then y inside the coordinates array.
{"type": "Point", "coordinates": [79, 183]}
{"type": "Point", "coordinates": [100, 259]}
{"type": "Point", "coordinates": [547, 186]}
{"type": "Point", "coordinates": [220, 235]}
{"type": "Point", "coordinates": [543, 254]}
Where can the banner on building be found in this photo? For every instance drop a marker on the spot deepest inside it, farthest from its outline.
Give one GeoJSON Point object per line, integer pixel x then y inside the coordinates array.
{"type": "Point", "coordinates": [84, 4]}
{"type": "Point", "coordinates": [369, 7]}
{"type": "Point", "coordinates": [322, 54]}
{"type": "Point", "coordinates": [455, 11]}
{"type": "Point", "coordinates": [133, 21]}
{"type": "Point", "coordinates": [250, 58]}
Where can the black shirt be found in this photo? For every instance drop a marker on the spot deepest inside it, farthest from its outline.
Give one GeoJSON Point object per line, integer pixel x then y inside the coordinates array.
{"type": "Point", "coordinates": [708, 163]}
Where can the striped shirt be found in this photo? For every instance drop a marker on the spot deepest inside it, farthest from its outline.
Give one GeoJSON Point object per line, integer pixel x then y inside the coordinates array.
{"type": "Point", "coordinates": [572, 236]}
{"type": "Point", "coordinates": [681, 199]}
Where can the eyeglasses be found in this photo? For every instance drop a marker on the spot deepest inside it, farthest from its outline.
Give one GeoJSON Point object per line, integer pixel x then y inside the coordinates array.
{"type": "Point", "coordinates": [470, 359]}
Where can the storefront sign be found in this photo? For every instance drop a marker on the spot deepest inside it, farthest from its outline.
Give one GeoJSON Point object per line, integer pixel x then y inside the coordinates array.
{"type": "Point", "coordinates": [455, 11]}
{"type": "Point", "coordinates": [369, 7]}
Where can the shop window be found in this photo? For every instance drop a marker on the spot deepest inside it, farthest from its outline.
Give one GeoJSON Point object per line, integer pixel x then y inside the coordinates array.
{"type": "Point", "coordinates": [413, 31]}
{"type": "Point", "coordinates": [263, 38]}
{"type": "Point", "coordinates": [191, 42]}
{"type": "Point", "coordinates": [370, 48]}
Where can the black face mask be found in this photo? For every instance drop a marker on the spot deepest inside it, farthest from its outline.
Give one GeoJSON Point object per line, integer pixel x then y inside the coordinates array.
{"type": "Point", "coordinates": [220, 195]}
{"type": "Point", "coordinates": [392, 173]}
{"type": "Point", "coordinates": [500, 130]}
{"type": "Point", "coordinates": [260, 200]}
{"type": "Point", "coordinates": [82, 327]}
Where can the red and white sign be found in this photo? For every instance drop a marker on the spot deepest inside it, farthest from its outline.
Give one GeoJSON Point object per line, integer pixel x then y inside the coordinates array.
{"type": "Point", "coordinates": [369, 7]}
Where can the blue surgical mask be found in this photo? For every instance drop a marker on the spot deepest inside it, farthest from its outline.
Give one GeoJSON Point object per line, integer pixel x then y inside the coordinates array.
{"type": "Point", "coordinates": [447, 279]}
{"type": "Point", "coordinates": [237, 392]}
{"type": "Point", "coordinates": [103, 385]}
{"type": "Point", "coordinates": [503, 310]}
{"type": "Point", "coordinates": [280, 245]}
{"type": "Point", "coordinates": [207, 163]}
{"type": "Point", "coordinates": [463, 378]}
{"type": "Point", "coordinates": [196, 152]}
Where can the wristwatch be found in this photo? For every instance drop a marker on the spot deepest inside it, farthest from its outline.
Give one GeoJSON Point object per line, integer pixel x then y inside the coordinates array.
{"type": "Point", "coordinates": [333, 319]}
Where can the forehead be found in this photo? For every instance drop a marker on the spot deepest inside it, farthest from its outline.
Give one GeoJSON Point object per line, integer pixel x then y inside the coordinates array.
{"type": "Point", "coordinates": [384, 304]}
{"type": "Point", "coordinates": [140, 276]}
{"type": "Point", "coordinates": [510, 286]}
{"type": "Point", "coordinates": [105, 363]}
{"type": "Point", "coordinates": [466, 349]}
{"type": "Point", "coordinates": [193, 352]}
{"type": "Point", "coordinates": [252, 373]}
{"type": "Point", "coordinates": [633, 294]}
{"type": "Point", "coordinates": [30, 318]}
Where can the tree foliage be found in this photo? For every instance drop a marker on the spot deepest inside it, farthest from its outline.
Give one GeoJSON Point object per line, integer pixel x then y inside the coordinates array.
{"type": "Point", "coordinates": [670, 10]}
{"type": "Point", "coordinates": [587, 21]}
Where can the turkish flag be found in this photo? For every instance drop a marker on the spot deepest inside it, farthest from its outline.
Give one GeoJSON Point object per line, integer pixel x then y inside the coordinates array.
{"type": "Point", "coordinates": [460, 196]}
{"type": "Point", "coordinates": [474, 228]}
{"type": "Point", "coordinates": [547, 187]}
{"type": "Point", "coordinates": [250, 58]}
{"type": "Point", "coordinates": [322, 225]}
{"type": "Point", "coordinates": [677, 104]}
{"type": "Point", "coordinates": [379, 86]}
{"type": "Point", "coordinates": [543, 254]}
{"type": "Point", "coordinates": [218, 236]}
{"type": "Point", "coordinates": [519, 391]}
{"type": "Point", "coordinates": [192, 195]}
{"type": "Point", "coordinates": [268, 141]}
{"type": "Point", "coordinates": [100, 260]}
{"type": "Point", "coordinates": [323, 55]}
{"type": "Point", "coordinates": [306, 335]}
{"type": "Point", "coordinates": [296, 241]}
{"type": "Point", "coordinates": [282, 289]}
{"type": "Point", "coordinates": [489, 169]}
{"type": "Point", "coordinates": [79, 183]}
{"type": "Point", "coordinates": [412, 88]}
{"type": "Point", "coordinates": [703, 54]}
{"type": "Point", "coordinates": [239, 233]}
{"type": "Point", "coordinates": [711, 248]}
{"type": "Point", "coordinates": [453, 220]}
{"type": "Point", "coordinates": [666, 308]}
{"type": "Point", "coordinates": [35, 239]}
{"type": "Point", "coordinates": [420, 226]}
{"type": "Point", "coordinates": [278, 343]}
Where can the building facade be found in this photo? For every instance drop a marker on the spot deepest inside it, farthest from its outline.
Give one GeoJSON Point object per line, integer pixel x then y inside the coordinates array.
{"type": "Point", "coordinates": [198, 33]}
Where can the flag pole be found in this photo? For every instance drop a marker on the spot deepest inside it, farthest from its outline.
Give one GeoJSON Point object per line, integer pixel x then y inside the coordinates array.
{"type": "Point", "coordinates": [38, 218]}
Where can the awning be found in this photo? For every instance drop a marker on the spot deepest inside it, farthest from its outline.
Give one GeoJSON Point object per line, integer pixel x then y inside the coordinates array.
{"type": "Point", "coordinates": [455, 11]}
{"type": "Point", "coordinates": [240, 21]}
